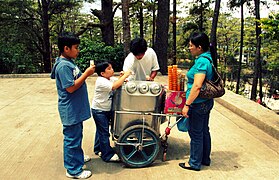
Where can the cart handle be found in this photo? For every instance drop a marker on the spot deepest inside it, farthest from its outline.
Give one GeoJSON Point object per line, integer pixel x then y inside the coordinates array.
{"type": "Point", "coordinates": [147, 113]}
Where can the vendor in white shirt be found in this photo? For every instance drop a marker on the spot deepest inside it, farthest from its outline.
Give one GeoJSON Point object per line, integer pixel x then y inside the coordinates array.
{"type": "Point", "coordinates": [142, 61]}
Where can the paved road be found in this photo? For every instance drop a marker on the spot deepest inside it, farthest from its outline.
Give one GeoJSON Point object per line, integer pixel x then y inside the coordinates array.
{"type": "Point", "coordinates": [31, 141]}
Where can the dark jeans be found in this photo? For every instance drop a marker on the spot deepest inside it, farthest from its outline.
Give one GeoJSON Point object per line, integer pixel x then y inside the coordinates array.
{"type": "Point", "coordinates": [102, 143]}
{"type": "Point", "coordinates": [200, 145]}
{"type": "Point", "coordinates": [73, 153]}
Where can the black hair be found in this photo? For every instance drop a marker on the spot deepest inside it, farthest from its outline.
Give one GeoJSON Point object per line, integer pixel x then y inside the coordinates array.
{"type": "Point", "coordinates": [138, 46]}
{"type": "Point", "coordinates": [101, 67]}
{"type": "Point", "coordinates": [67, 39]}
{"type": "Point", "coordinates": [201, 39]}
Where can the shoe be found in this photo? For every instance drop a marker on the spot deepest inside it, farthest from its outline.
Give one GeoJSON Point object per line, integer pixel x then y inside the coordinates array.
{"type": "Point", "coordinates": [188, 167]}
{"type": "Point", "coordinates": [205, 164]}
{"type": "Point", "coordinates": [86, 158]}
{"type": "Point", "coordinates": [98, 154]}
{"type": "Point", "coordinates": [114, 158]}
{"type": "Point", "coordinates": [83, 175]}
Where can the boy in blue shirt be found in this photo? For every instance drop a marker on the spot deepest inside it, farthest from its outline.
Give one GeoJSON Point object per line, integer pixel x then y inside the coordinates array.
{"type": "Point", "coordinates": [73, 104]}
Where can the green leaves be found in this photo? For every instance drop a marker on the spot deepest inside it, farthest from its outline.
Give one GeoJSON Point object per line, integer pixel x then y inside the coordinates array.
{"type": "Point", "coordinates": [98, 51]}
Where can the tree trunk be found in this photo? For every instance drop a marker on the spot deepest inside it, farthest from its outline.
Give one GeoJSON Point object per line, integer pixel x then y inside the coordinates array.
{"type": "Point", "coordinates": [174, 32]}
{"type": "Point", "coordinates": [107, 21]}
{"type": "Point", "coordinates": [153, 22]}
{"type": "Point", "coordinates": [105, 16]}
{"type": "Point", "coordinates": [213, 39]}
{"type": "Point", "coordinates": [161, 42]}
{"type": "Point", "coordinates": [46, 36]}
{"type": "Point", "coordinates": [141, 20]}
{"type": "Point", "coordinates": [126, 26]}
{"type": "Point", "coordinates": [241, 48]}
{"type": "Point", "coordinates": [257, 67]}
{"type": "Point", "coordinates": [201, 17]}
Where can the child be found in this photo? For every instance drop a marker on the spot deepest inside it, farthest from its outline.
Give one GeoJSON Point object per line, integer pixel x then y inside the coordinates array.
{"type": "Point", "coordinates": [73, 104]}
{"type": "Point", "coordinates": [101, 109]}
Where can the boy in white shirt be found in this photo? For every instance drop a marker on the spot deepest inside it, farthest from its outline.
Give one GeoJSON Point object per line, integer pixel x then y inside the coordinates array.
{"type": "Point", "coordinates": [142, 61]}
{"type": "Point", "coordinates": [101, 108]}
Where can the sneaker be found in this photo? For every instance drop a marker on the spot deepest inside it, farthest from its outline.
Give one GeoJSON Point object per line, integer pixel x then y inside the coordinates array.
{"type": "Point", "coordinates": [114, 158]}
{"type": "Point", "coordinates": [98, 154]}
{"type": "Point", "coordinates": [83, 175]}
{"type": "Point", "coordinates": [86, 158]}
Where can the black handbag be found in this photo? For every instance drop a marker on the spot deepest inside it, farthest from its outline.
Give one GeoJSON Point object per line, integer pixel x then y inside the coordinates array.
{"type": "Point", "coordinates": [212, 88]}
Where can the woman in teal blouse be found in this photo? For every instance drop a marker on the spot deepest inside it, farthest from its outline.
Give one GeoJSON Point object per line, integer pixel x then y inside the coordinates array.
{"type": "Point", "coordinates": [198, 109]}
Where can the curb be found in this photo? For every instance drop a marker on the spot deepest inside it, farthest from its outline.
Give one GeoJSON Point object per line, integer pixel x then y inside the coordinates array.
{"type": "Point", "coordinates": [44, 75]}
{"type": "Point", "coordinates": [254, 113]}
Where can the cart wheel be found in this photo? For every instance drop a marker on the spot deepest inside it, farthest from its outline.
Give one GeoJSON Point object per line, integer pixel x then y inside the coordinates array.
{"type": "Point", "coordinates": [164, 156]}
{"type": "Point", "coordinates": [132, 152]}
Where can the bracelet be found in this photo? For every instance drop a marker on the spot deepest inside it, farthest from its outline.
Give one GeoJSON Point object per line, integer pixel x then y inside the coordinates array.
{"type": "Point", "coordinates": [187, 105]}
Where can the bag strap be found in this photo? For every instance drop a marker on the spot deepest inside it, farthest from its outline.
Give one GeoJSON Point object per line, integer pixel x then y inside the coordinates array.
{"type": "Point", "coordinates": [210, 62]}
{"type": "Point", "coordinates": [213, 66]}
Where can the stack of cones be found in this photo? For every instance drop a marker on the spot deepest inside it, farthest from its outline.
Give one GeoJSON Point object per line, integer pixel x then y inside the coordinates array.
{"type": "Point", "coordinates": [175, 78]}
{"type": "Point", "coordinates": [170, 77]}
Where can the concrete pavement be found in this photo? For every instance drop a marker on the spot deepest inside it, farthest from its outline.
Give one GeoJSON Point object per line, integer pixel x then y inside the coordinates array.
{"type": "Point", "coordinates": [31, 138]}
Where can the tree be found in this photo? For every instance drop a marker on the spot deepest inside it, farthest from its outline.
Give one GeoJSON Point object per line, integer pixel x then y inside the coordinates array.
{"type": "Point", "coordinates": [199, 9]}
{"type": "Point", "coordinates": [270, 26]}
{"type": "Point", "coordinates": [105, 16]}
{"type": "Point", "coordinates": [258, 65]}
{"type": "Point", "coordinates": [240, 3]}
{"type": "Point", "coordinates": [214, 30]}
{"type": "Point", "coordinates": [33, 18]}
{"type": "Point", "coordinates": [46, 9]}
{"type": "Point", "coordinates": [161, 41]}
{"type": "Point", "coordinates": [228, 43]}
{"type": "Point", "coordinates": [271, 34]}
{"type": "Point", "coordinates": [174, 31]}
{"type": "Point", "coordinates": [126, 26]}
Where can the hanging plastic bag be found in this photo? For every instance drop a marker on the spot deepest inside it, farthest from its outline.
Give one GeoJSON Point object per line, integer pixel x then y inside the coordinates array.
{"type": "Point", "coordinates": [183, 124]}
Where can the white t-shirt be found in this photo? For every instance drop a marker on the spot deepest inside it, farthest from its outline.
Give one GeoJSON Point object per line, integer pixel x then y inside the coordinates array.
{"type": "Point", "coordinates": [103, 93]}
{"type": "Point", "coordinates": [143, 67]}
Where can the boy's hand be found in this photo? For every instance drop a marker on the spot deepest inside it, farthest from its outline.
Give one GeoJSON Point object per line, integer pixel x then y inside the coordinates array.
{"type": "Point", "coordinates": [127, 73]}
{"type": "Point", "coordinates": [90, 70]}
{"type": "Point", "coordinates": [121, 73]}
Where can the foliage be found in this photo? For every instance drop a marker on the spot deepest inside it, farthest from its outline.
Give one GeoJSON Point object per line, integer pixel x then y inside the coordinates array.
{"type": "Point", "coordinates": [270, 26]}
{"type": "Point", "coordinates": [23, 26]}
{"type": "Point", "coordinates": [18, 52]}
{"type": "Point", "coordinates": [98, 51]}
{"type": "Point", "coordinates": [228, 36]}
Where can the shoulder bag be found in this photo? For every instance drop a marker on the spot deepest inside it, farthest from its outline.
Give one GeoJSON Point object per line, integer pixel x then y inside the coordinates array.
{"type": "Point", "coordinates": [212, 88]}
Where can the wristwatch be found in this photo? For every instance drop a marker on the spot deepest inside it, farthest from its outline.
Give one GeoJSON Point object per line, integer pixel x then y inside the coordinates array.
{"type": "Point", "coordinates": [187, 105]}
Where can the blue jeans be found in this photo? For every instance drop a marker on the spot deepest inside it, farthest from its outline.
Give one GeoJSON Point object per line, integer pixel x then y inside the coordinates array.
{"type": "Point", "coordinates": [102, 143]}
{"type": "Point", "coordinates": [200, 145]}
{"type": "Point", "coordinates": [73, 153]}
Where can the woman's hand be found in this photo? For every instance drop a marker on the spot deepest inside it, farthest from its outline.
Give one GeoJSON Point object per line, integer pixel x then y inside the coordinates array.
{"type": "Point", "coordinates": [185, 111]}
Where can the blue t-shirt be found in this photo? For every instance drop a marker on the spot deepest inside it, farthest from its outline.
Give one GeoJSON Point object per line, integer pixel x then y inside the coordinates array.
{"type": "Point", "coordinates": [73, 107]}
{"type": "Point", "coordinates": [201, 66]}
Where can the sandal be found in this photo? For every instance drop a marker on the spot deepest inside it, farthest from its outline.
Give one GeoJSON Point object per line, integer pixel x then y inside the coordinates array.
{"type": "Point", "coordinates": [83, 175]}
{"type": "Point", "coordinates": [188, 167]}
